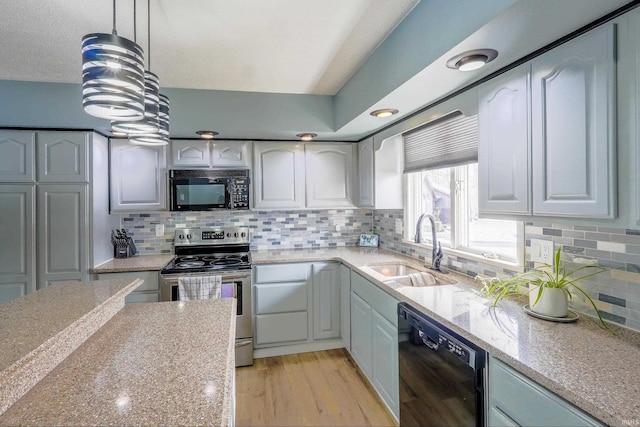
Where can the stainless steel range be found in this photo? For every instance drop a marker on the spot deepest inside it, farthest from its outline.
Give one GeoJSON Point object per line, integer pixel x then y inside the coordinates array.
{"type": "Point", "coordinates": [222, 251]}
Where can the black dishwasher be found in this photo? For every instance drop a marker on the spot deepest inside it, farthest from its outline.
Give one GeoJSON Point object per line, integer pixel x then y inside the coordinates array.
{"type": "Point", "coordinates": [441, 374]}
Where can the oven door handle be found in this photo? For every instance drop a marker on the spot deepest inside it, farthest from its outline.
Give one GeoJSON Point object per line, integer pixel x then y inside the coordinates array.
{"type": "Point", "coordinates": [225, 279]}
{"type": "Point", "coordinates": [243, 343]}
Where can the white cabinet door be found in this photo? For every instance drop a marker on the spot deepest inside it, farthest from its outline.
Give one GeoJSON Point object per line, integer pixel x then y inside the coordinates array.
{"type": "Point", "coordinates": [62, 229]}
{"type": "Point", "coordinates": [17, 156]}
{"type": "Point", "coordinates": [345, 306]}
{"type": "Point", "coordinates": [62, 156]}
{"type": "Point", "coordinates": [504, 144]}
{"type": "Point", "coordinates": [17, 247]}
{"type": "Point", "coordinates": [361, 333]}
{"type": "Point", "coordinates": [512, 395]}
{"type": "Point", "coordinates": [279, 175]}
{"type": "Point", "coordinates": [231, 154]}
{"type": "Point", "coordinates": [329, 169]}
{"type": "Point", "coordinates": [138, 177]}
{"type": "Point", "coordinates": [385, 361]}
{"type": "Point", "coordinates": [190, 153]}
{"type": "Point", "coordinates": [326, 300]}
{"type": "Point", "coordinates": [573, 121]}
{"type": "Point", "coordinates": [366, 174]}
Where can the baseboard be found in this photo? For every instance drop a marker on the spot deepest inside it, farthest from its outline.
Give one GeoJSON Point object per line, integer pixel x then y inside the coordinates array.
{"type": "Point", "coordinates": [282, 350]}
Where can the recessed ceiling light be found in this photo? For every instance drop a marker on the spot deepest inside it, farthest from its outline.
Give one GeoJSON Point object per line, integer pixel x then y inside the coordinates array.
{"type": "Point", "coordinates": [306, 136]}
{"type": "Point", "coordinates": [472, 60]}
{"type": "Point", "coordinates": [206, 134]}
{"type": "Point", "coordinates": [385, 112]}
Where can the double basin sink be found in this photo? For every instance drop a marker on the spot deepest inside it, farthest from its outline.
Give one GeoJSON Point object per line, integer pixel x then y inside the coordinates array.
{"type": "Point", "coordinates": [407, 275]}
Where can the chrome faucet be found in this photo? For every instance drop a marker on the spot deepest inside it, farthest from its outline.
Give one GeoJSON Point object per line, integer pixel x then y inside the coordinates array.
{"type": "Point", "coordinates": [436, 255]}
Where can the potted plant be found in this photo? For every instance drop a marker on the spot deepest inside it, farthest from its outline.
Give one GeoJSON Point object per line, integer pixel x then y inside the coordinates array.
{"type": "Point", "coordinates": [550, 287]}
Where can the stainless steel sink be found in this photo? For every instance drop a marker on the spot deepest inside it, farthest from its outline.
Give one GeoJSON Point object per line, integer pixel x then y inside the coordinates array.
{"type": "Point", "coordinates": [393, 270]}
{"type": "Point", "coordinates": [406, 280]}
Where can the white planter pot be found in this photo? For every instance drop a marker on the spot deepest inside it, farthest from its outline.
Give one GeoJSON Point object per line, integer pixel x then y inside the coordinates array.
{"type": "Point", "coordinates": [553, 302]}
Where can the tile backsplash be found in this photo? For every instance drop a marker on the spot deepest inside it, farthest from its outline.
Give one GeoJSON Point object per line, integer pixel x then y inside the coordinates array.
{"type": "Point", "coordinates": [616, 291]}
{"type": "Point", "coordinates": [268, 229]}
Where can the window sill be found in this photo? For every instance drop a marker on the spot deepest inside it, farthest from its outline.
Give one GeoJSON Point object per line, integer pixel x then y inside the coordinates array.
{"type": "Point", "coordinates": [507, 265]}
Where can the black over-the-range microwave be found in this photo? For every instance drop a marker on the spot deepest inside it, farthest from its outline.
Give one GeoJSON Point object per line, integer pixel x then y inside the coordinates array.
{"type": "Point", "coordinates": [206, 190]}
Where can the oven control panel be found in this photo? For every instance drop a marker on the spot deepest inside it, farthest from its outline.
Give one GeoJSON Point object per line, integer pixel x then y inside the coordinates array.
{"type": "Point", "coordinates": [211, 236]}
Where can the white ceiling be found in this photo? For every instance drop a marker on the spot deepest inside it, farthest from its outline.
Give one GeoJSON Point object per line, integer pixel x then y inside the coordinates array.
{"type": "Point", "coordinates": [277, 46]}
{"type": "Point", "coordinates": [306, 47]}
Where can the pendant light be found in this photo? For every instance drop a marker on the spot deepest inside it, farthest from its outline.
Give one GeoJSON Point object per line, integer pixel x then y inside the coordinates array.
{"type": "Point", "coordinates": [112, 76]}
{"type": "Point", "coordinates": [161, 136]}
{"type": "Point", "coordinates": [149, 123]}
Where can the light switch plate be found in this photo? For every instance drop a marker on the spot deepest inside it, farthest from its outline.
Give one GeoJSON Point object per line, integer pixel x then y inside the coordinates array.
{"type": "Point", "coordinates": [159, 230]}
{"type": "Point", "coordinates": [541, 251]}
{"type": "Point", "coordinates": [398, 226]}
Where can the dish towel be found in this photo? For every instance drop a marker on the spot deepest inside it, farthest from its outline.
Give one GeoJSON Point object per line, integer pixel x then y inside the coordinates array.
{"type": "Point", "coordinates": [422, 279]}
{"type": "Point", "coordinates": [199, 287]}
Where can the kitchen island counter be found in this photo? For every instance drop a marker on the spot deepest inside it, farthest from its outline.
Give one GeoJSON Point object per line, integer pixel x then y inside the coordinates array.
{"type": "Point", "coordinates": [594, 369]}
{"type": "Point", "coordinates": [140, 369]}
{"type": "Point", "coordinates": [42, 328]}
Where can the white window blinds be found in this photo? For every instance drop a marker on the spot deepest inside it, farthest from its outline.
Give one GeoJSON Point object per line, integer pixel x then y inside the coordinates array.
{"type": "Point", "coordinates": [447, 141]}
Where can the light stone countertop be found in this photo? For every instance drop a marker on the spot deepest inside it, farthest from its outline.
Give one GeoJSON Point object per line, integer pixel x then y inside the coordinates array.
{"type": "Point", "coordinates": [581, 362]}
{"type": "Point", "coordinates": [135, 263]}
{"type": "Point", "coordinates": [41, 329]}
{"type": "Point", "coordinates": [140, 369]}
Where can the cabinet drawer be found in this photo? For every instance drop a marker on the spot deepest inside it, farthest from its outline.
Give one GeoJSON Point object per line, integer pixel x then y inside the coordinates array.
{"type": "Point", "coordinates": [281, 273]}
{"type": "Point", "coordinates": [281, 297]}
{"type": "Point", "coordinates": [513, 394]}
{"type": "Point", "coordinates": [150, 279]}
{"type": "Point", "coordinates": [282, 327]}
{"type": "Point", "coordinates": [379, 300]}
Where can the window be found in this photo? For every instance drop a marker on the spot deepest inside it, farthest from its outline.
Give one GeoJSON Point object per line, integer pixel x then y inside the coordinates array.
{"type": "Point", "coordinates": [450, 195]}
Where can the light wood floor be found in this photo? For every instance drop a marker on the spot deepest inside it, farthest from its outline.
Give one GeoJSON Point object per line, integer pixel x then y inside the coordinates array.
{"type": "Point", "coordinates": [323, 388]}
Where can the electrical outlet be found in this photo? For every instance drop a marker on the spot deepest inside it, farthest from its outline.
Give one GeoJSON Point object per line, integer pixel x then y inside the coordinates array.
{"type": "Point", "coordinates": [398, 226]}
{"type": "Point", "coordinates": [541, 251]}
{"type": "Point", "coordinates": [159, 230]}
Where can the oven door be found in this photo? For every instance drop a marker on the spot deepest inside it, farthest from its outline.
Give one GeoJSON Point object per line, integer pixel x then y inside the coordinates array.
{"type": "Point", "coordinates": [241, 282]}
{"type": "Point", "coordinates": [199, 194]}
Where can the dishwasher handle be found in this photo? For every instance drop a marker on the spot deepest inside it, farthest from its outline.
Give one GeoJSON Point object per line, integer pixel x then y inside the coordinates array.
{"type": "Point", "coordinates": [428, 341]}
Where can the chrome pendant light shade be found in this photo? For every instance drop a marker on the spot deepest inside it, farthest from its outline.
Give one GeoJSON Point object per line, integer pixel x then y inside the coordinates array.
{"type": "Point", "coordinates": [161, 137]}
{"type": "Point", "coordinates": [150, 122]}
{"type": "Point", "coordinates": [112, 77]}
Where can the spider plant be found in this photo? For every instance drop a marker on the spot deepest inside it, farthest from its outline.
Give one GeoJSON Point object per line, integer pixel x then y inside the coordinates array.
{"type": "Point", "coordinates": [544, 276]}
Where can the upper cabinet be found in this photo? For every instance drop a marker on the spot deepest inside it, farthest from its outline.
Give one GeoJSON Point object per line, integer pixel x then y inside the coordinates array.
{"type": "Point", "coordinates": [574, 127]}
{"type": "Point", "coordinates": [199, 153]}
{"type": "Point", "coordinates": [564, 164]}
{"type": "Point", "coordinates": [329, 169]}
{"type": "Point", "coordinates": [62, 157]}
{"type": "Point", "coordinates": [17, 156]}
{"type": "Point", "coordinates": [504, 144]}
{"type": "Point", "coordinates": [290, 175]}
{"type": "Point", "coordinates": [365, 173]}
{"type": "Point", "coordinates": [138, 177]}
{"type": "Point", "coordinates": [231, 154]}
{"type": "Point", "coordinates": [190, 153]}
{"type": "Point", "coordinates": [278, 175]}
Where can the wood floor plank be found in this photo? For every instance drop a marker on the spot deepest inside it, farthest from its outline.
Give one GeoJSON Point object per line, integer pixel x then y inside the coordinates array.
{"type": "Point", "coordinates": [324, 388]}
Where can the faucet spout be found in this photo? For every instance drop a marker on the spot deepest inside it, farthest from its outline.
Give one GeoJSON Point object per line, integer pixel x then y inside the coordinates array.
{"type": "Point", "coordinates": [436, 253]}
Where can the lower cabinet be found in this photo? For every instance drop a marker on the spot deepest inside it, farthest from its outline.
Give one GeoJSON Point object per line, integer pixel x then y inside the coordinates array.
{"type": "Point", "coordinates": [296, 303]}
{"type": "Point", "coordinates": [149, 291]}
{"type": "Point", "coordinates": [374, 338]}
{"type": "Point", "coordinates": [512, 397]}
{"type": "Point", "coordinates": [345, 306]}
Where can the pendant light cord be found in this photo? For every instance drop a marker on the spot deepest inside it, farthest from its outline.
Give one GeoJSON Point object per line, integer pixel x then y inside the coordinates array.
{"type": "Point", "coordinates": [149, 33]}
{"type": "Point", "coordinates": [114, 18]}
{"type": "Point", "coordinates": [135, 32]}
